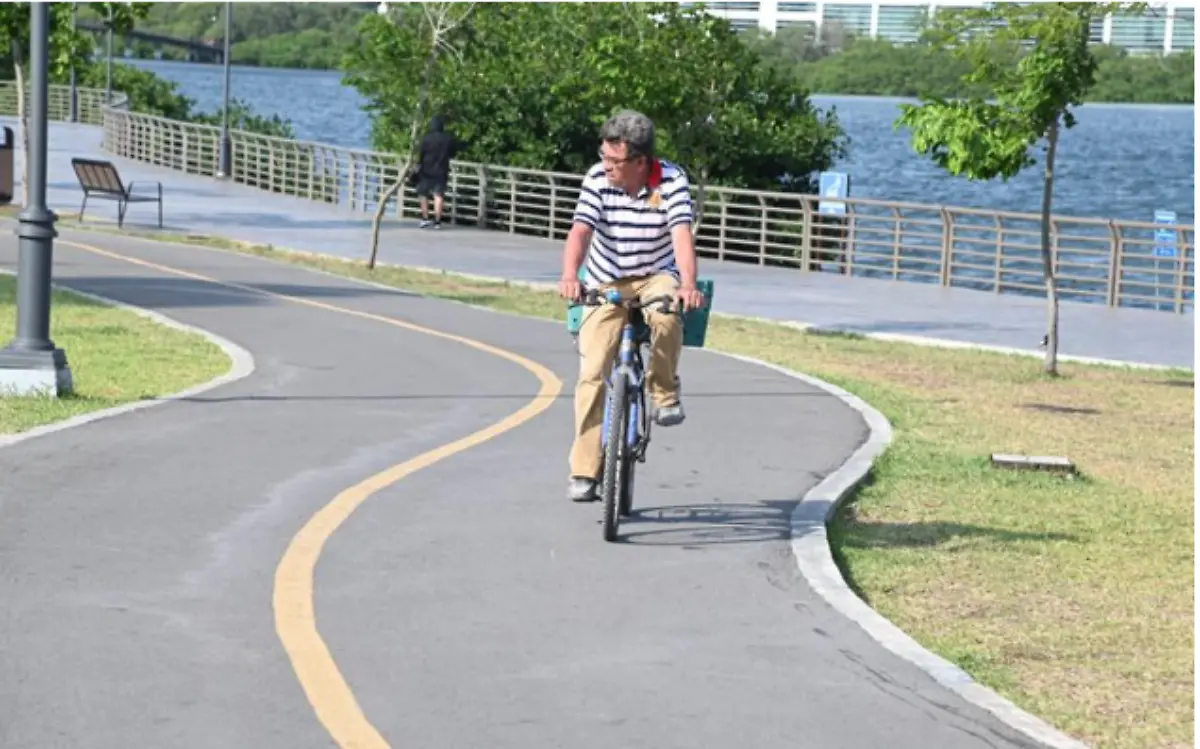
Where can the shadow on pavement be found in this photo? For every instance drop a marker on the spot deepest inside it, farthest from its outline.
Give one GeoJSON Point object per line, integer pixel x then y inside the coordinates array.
{"type": "Point", "coordinates": [159, 292]}
{"type": "Point", "coordinates": [708, 524]}
{"type": "Point", "coordinates": [567, 394]}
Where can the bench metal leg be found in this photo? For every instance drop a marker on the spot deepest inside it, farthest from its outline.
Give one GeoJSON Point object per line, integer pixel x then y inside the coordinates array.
{"type": "Point", "coordinates": [121, 208]}
{"type": "Point", "coordinates": [160, 211]}
{"type": "Point", "coordinates": [82, 207]}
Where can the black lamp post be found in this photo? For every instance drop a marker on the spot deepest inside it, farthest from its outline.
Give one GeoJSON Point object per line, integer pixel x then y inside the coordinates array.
{"type": "Point", "coordinates": [31, 363]}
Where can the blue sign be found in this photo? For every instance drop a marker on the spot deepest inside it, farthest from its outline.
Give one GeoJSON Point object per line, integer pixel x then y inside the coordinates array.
{"type": "Point", "coordinates": [834, 185]}
{"type": "Point", "coordinates": [1164, 238]}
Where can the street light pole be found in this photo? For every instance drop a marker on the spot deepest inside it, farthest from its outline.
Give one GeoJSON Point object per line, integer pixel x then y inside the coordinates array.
{"type": "Point", "coordinates": [224, 153]}
{"type": "Point", "coordinates": [74, 87]}
{"type": "Point", "coordinates": [31, 363]}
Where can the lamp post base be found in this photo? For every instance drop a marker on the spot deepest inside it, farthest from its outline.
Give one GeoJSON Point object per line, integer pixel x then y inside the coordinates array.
{"type": "Point", "coordinates": [224, 156]}
{"type": "Point", "coordinates": [37, 373]}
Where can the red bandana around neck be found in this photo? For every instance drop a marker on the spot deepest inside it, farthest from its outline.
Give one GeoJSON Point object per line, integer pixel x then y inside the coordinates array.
{"type": "Point", "coordinates": [656, 171]}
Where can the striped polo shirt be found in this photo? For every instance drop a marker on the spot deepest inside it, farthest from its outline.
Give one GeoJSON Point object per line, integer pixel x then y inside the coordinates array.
{"type": "Point", "coordinates": [630, 237]}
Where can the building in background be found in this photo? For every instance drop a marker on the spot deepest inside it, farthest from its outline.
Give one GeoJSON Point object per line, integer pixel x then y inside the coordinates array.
{"type": "Point", "coordinates": [1168, 27]}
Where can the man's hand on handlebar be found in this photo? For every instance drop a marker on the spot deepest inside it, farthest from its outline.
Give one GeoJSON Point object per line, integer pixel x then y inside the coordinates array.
{"type": "Point", "coordinates": [690, 298]}
{"type": "Point", "coordinates": [570, 289]}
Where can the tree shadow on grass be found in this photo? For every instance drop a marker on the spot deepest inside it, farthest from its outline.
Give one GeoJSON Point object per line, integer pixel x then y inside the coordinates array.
{"type": "Point", "coordinates": [846, 532]}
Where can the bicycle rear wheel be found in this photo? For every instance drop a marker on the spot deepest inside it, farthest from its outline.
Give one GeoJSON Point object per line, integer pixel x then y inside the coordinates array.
{"type": "Point", "coordinates": [615, 453]}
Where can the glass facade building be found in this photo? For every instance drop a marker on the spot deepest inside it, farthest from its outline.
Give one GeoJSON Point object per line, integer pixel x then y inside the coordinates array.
{"type": "Point", "coordinates": [1165, 28]}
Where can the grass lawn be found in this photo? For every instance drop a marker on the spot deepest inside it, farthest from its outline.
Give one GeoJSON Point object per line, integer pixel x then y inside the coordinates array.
{"type": "Point", "coordinates": [115, 356]}
{"type": "Point", "coordinates": [1071, 597]}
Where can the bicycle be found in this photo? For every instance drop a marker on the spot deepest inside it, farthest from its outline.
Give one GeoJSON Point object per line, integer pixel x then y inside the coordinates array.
{"type": "Point", "coordinates": [625, 411]}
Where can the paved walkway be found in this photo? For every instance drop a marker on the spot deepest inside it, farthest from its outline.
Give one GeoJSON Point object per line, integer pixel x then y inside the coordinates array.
{"type": "Point", "coordinates": [469, 604]}
{"type": "Point", "coordinates": [205, 205]}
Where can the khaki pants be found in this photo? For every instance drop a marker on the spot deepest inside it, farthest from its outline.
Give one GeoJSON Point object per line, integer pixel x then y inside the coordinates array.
{"type": "Point", "coordinates": [599, 340]}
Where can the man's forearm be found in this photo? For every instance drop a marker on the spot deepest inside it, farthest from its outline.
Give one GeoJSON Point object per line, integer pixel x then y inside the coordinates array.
{"type": "Point", "coordinates": [685, 255]}
{"type": "Point", "coordinates": [574, 251]}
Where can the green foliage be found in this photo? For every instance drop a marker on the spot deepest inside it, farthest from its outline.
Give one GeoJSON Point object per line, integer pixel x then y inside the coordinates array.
{"type": "Point", "coordinates": [530, 84]}
{"type": "Point", "coordinates": [293, 35]}
{"type": "Point", "coordinates": [66, 43]}
{"type": "Point", "coordinates": [315, 49]}
{"type": "Point", "coordinates": [877, 67]}
{"type": "Point", "coordinates": [1054, 69]}
{"type": "Point", "coordinates": [1144, 78]}
{"type": "Point", "coordinates": [147, 92]}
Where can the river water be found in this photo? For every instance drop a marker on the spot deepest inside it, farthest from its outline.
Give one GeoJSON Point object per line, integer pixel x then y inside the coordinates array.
{"type": "Point", "coordinates": [1120, 161]}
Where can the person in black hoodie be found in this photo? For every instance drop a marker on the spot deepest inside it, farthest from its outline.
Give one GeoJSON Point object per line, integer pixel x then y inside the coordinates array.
{"type": "Point", "coordinates": [437, 149]}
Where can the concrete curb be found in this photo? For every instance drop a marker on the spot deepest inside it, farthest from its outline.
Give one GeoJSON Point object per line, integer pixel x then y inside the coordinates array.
{"type": "Point", "coordinates": [814, 558]}
{"type": "Point", "coordinates": [241, 366]}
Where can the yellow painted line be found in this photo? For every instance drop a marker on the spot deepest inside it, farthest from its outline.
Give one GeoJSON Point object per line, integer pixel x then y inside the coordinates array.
{"type": "Point", "coordinates": [295, 618]}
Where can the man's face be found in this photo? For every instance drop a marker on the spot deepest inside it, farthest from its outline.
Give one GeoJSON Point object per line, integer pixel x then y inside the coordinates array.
{"type": "Point", "coordinates": [621, 170]}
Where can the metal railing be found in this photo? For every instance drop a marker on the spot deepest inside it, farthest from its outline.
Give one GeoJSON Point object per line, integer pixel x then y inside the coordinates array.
{"type": "Point", "coordinates": [90, 102]}
{"type": "Point", "coordinates": [1110, 262]}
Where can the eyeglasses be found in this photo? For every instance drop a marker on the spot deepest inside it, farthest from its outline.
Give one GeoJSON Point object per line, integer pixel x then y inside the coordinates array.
{"type": "Point", "coordinates": [612, 159]}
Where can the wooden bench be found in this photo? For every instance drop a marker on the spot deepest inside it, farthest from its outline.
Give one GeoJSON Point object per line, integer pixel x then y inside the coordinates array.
{"type": "Point", "coordinates": [100, 179]}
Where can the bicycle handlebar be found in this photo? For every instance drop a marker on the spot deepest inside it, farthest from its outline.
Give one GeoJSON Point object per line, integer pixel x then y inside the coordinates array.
{"type": "Point", "coordinates": [595, 298]}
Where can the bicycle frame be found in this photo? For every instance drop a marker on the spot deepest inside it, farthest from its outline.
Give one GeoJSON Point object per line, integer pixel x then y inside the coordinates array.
{"type": "Point", "coordinates": [629, 364]}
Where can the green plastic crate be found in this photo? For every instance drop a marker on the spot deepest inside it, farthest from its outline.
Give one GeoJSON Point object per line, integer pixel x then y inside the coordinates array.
{"type": "Point", "coordinates": [695, 322]}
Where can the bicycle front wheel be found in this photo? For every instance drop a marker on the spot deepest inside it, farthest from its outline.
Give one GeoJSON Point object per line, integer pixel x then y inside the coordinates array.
{"type": "Point", "coordinates": [615, 451]}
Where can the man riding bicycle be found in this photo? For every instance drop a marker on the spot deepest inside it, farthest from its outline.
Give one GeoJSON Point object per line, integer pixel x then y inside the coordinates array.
{"type": "Point", "coordinates": [633, 226]}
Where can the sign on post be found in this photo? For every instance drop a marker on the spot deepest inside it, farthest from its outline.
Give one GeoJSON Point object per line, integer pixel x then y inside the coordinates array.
{"type": "Point", "coordinates": [833, 185]}
{"type": "Point", "coordinates": [1164, 236]}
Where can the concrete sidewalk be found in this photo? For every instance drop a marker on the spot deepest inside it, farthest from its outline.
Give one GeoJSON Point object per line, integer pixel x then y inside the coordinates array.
{"type": "Point", "coordinates": [207, 206]}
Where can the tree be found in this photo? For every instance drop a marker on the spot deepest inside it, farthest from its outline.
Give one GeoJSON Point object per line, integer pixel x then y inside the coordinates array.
{"type": "Point", "coordinates": [532, 83]}
{"type": "Point", "coordinates": [425, 33]}
{"type": "Point", "coordinates": [1036, 61]}
{"type": "Point", "coordinates": [67, 46]}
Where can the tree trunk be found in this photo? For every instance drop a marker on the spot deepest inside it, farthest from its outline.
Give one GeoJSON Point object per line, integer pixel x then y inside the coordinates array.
{"type": "Point", "coordinates": [1048, 256]}
{"type": "Point", "coordinates": [701, 201]}
{"type": "Point", "coordinates": [437, 30]}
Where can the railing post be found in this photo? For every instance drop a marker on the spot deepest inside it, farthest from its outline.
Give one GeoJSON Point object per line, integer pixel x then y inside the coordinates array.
{"type": "Point", "coordinates": [512, 203]}
{"type": "Point", "coordinates": [553, 206]}
{"type": "Point", "coordinates": [481, 208]}
{"type": "Point", "coordinates": [947, 246]}
{"type": "Point", "coordinates": [1114, 264]}
{"type": "Point", "coordinates": [762, 232]}
{"type": "Point", "coordinates": [1182, 271]}
{"type": "Point", "coordinates": [806, 234]}
{"type": "Point", "coordinates": [723, 229]}
{"type": "Point", "coordinates": [312, 171]}
{"type": "Point", "coordinates": [998, 263]}
{"type": "Point", "coordinates": [454, 196]}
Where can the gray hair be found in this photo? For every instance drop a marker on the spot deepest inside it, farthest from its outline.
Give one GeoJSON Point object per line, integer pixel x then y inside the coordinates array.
{"type": "Point", "coordinates": [632, 128]}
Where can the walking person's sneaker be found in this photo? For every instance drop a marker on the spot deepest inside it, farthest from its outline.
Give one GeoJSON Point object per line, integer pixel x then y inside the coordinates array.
{"type": "Point", "coordinates": [425, 223]}
{"type": "Point", "coordinates": [669, 416]}
{"type": "Point", "coordinates": [582, 489]}
{"type": "Point", "coordinates": [437, 224]}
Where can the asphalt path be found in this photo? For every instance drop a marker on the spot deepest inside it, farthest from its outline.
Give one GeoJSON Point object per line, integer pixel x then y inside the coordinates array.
{"type": "Point", "coordinates": [467, 604]}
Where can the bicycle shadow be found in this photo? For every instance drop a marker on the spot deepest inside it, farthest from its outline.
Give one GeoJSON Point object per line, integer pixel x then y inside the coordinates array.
{"type": "Point", "coordinates": [714, 524]}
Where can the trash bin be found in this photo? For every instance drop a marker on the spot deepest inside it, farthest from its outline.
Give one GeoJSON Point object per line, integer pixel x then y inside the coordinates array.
{"type": "Point", "coordinates": [6, 167]}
